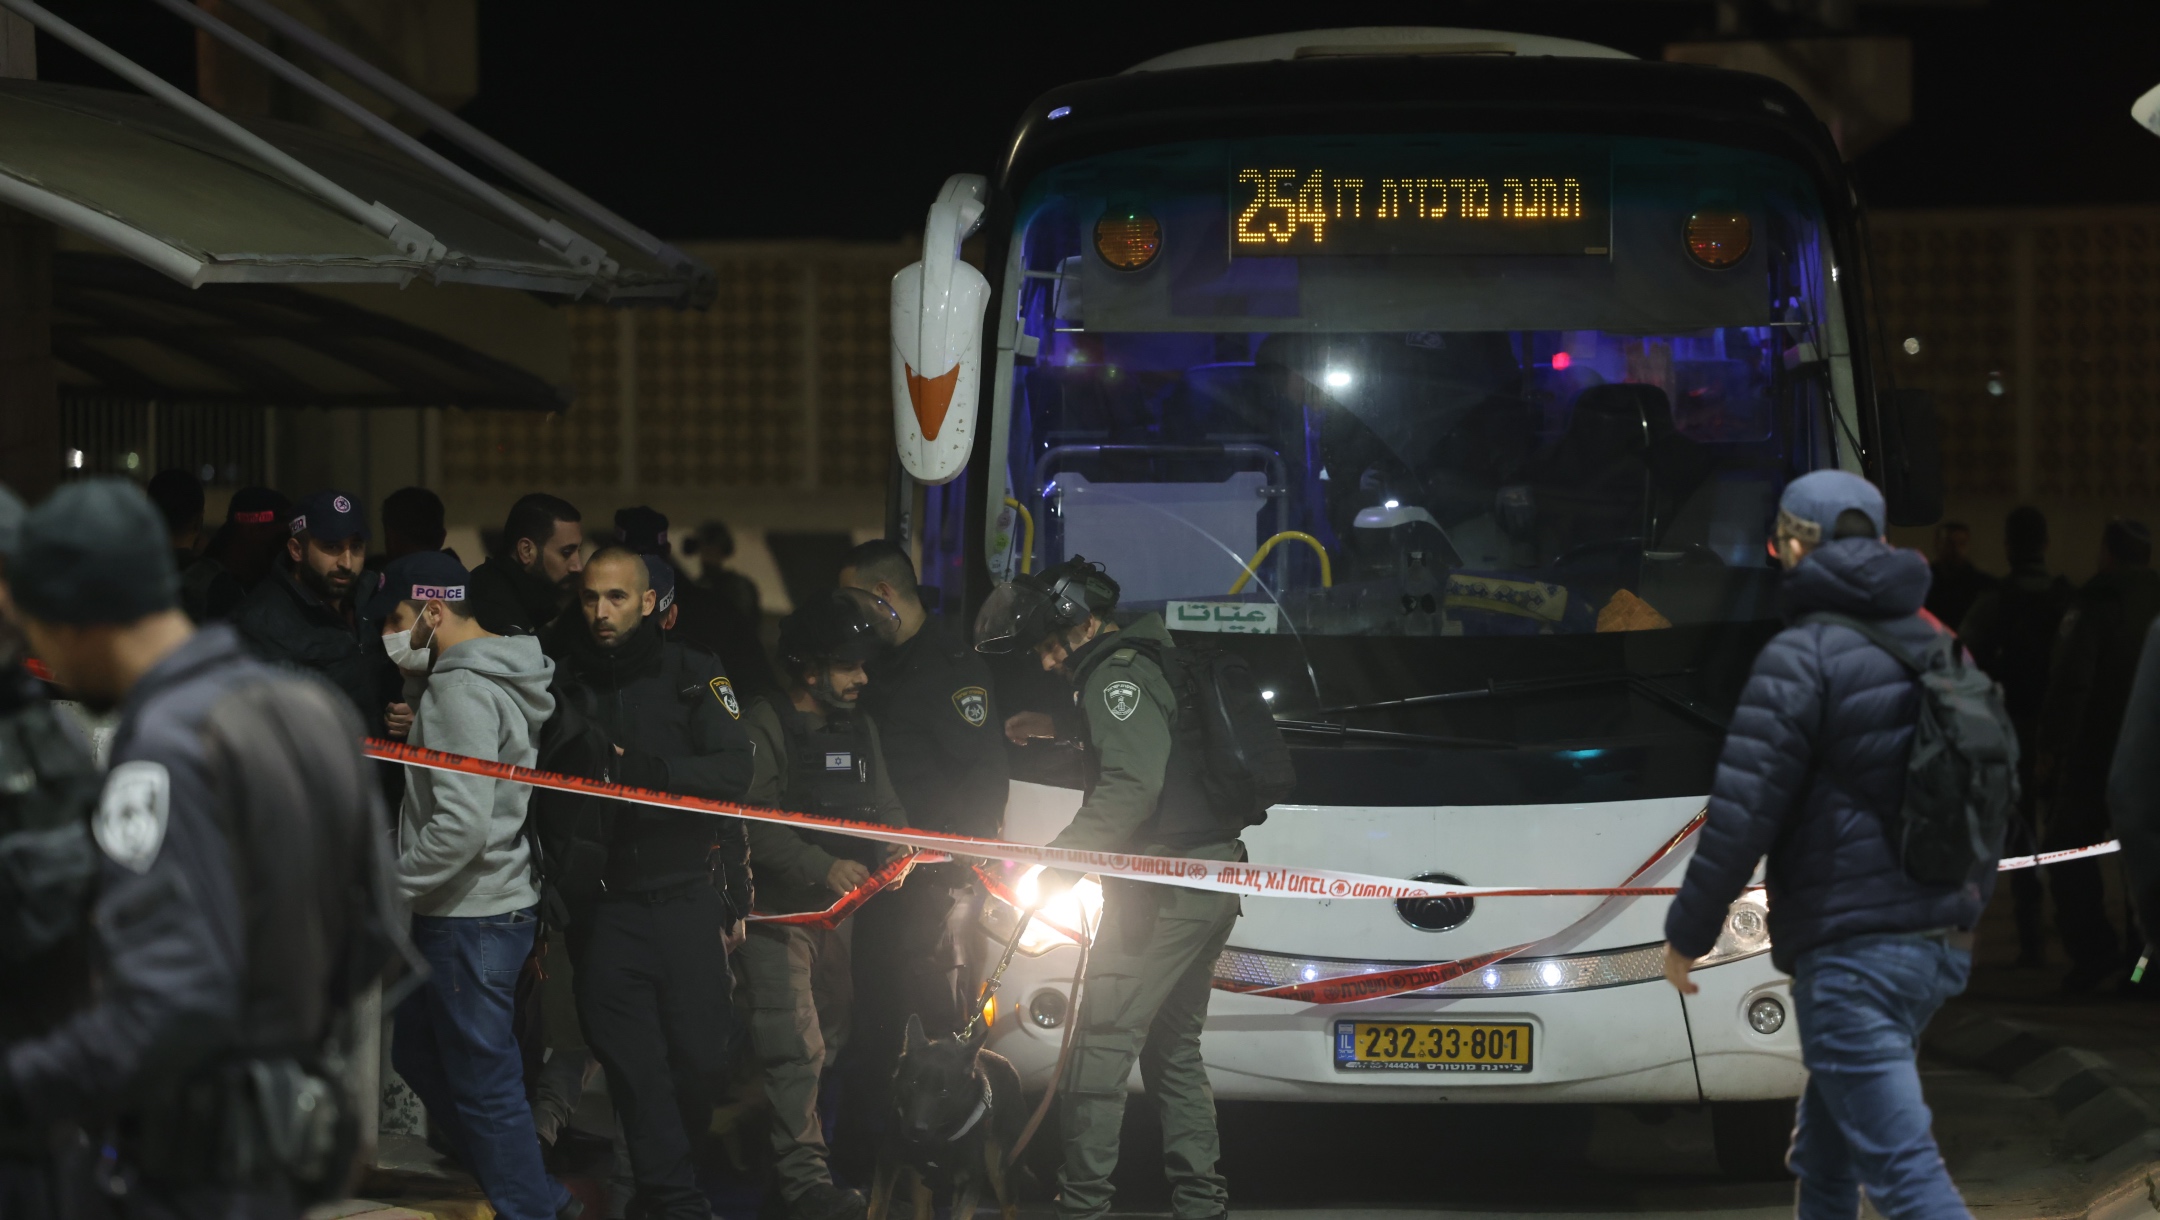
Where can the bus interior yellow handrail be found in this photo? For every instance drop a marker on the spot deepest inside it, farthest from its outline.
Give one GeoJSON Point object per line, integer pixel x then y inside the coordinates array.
{"type": "Point", "coordinates": [1027, 535]}
{"type": "Point", "coordinates": [1252, 566]}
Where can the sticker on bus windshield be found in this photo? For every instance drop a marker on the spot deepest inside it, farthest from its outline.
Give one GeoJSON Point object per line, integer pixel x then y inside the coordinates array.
{"type": "Point", "coordinates": [1243, 618]}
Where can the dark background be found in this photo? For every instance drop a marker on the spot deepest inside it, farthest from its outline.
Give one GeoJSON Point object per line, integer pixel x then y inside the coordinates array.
{"type": "Point", "coordinates": [731, 120]}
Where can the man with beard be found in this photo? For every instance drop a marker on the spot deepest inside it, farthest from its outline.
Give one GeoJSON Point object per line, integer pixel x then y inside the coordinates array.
{"type": "Point", "coordinates": [815, 754]}
{"type": "Point", "coordinates": [526, 587]}
{"type": "Point", "coordinates": [660, 899]}
{"type": "Point", "coordinates": [306, 616]}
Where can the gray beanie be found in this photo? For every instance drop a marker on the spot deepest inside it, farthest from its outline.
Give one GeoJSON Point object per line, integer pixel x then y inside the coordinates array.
{"type": "Point", "coordinates": [94, 552]}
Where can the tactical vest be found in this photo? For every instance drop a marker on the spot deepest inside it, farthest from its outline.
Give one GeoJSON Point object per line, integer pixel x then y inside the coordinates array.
{"type": "Point", "coordinates": [1183, 817]}
{"type": "Point", "coordinates": [48, 865]}
{"type": "Point", "coordinates": [829, 775]}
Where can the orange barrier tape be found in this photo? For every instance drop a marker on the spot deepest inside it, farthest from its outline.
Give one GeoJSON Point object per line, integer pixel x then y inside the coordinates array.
{"type": "Point", "coordinates": [1234, 877]}
{"type": "Point", "coordinates": [890, 875]}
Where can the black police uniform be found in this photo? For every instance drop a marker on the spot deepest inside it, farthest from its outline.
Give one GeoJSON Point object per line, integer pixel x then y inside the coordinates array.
{"type": "Point", "coordinates": [944, 739]}
{"type": "Point", "coordinates": [47, 788]}
{"type": "Point", "coordinates": [231, 934]}
{"type": "Point", "coordinates": [508, 600]}
{"type": "Point", "coordinates": [283, 621]}
{"type": "Point", "coordinates": [652, 977]}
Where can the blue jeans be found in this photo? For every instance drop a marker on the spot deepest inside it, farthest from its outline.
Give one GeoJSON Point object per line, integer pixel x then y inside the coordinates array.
{"type": "Point", "coordinates": [1863, 1124]}
{"type": "Point", "coordinates": [454, 1045]}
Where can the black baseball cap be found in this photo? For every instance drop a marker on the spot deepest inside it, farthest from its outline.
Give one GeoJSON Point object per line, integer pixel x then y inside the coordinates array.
{"type": "Point", "coordinates": [94, 552]}
{"type": "Point", "coordinates": [642, 529]}
{"type": "Point", "coordinates": [330, 516]}
{"type": "Point", "coordinates": [423, 576]}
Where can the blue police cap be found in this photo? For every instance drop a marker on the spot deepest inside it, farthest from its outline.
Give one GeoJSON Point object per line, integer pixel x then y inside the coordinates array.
{"type": "Point", "coordinates": [660, 574]}
{"type": "Point", "coordinates": [94, 552]}
{"type": "Point", "coordinates": [330, 516]}
{"type": "Point", "coordinates": [423, 576]}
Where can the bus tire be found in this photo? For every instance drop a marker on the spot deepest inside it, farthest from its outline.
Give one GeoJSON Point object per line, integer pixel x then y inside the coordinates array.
{"type": "Point", "coordinates": [1752, 1138]}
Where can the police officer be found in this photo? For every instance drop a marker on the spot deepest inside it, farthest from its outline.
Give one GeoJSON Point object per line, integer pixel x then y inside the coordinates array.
{"type": "Point", "coordinates": [650, 935]}
{"type": "Point", "coordinates": [243, 899]}
{"type": "Point", "coordinates": [1151, 967]}
{"type": "Point", "coordinates": [931, 696]}
{"type": "Point", "coordinates": [47, 787]}
{"type": "Point", "coordinates": [307, 614]}
{"type": "Point", "coordinates": [816, 753]}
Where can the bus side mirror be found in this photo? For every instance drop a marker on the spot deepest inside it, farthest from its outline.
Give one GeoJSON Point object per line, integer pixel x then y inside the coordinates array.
{"type": "Point", "coordinates": [1912, 458]}
{"type": "Point", "coordinates": [937, 328]}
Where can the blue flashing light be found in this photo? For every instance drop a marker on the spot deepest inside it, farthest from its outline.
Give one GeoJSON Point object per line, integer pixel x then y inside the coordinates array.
{"type": "Point", "coordinates": [1579, 755]}
{"type": "Point", "coordinates": [1059, 113]}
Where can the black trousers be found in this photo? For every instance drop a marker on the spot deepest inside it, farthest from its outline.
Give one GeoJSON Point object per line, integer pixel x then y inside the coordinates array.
{"type": "Point", "coordinates": [2081, 914]}
{"type": "Point", "coordinates": [653, 991]}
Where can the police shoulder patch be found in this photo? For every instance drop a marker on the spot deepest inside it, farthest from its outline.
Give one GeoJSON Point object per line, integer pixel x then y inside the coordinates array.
{"type": "Point", "coordinates": [131, 815]}
{"type": "Point", "coordinates": [1122, 698]}
{"type": "Point", "coordinates": [973, 704]}
{"type": "Point", "coordinates": [724, 691]}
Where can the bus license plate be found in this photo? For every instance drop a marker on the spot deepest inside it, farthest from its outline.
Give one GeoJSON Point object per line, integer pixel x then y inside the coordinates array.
{"type": "Point", "coordinates": [1431, 1046]}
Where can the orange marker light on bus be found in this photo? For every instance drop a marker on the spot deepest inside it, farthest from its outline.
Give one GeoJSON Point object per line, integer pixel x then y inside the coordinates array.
{"type": "Point", "coordinates": [1128, 238]}
{"type": "Point", "coordinates": [1719, 239]}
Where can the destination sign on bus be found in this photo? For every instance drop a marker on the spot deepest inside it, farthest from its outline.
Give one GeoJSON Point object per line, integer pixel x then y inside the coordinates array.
{"type": "Point", "coordinates": [1279, 207]}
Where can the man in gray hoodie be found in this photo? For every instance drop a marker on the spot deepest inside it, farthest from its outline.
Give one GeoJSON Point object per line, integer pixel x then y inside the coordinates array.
{"type": "Point", "coordinates": [465, 865]}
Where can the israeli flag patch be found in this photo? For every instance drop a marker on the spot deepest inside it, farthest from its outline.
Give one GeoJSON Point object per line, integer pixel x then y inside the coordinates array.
{"type": "Point", "coordinates": [839, 760]}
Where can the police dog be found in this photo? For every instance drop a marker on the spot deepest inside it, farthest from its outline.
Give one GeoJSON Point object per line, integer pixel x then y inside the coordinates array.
{"type": "Point", "coordinates": [956, 1113]}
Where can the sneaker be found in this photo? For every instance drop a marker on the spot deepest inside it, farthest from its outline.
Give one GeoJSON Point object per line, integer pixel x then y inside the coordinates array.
{"type": "Point", "coordinates": [826, 1201]}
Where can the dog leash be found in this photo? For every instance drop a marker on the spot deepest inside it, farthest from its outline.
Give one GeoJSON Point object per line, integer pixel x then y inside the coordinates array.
{"type": "Point", "coordinates": [1057, 1075]}
{"type": "Point", "coordinates": [997, 976]}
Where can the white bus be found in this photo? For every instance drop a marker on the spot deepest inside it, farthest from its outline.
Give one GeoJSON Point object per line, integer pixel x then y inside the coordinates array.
{"type": "Point", "coordinates": [1451, 376]}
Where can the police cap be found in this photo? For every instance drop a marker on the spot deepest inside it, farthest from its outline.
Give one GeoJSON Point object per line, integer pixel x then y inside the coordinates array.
{"type": "Point", "coordinates": [330, 516]}
{"type": "Point", "coordinates": [642, 529]}
{"type": "Point", "coordinates": [660, 574]}
{"type": "Point", "coordinates": [423, 576]}
{"type": "Point", "coordinates": [833, 626]}
{"type": "Point", "coordinates": [94, 552]}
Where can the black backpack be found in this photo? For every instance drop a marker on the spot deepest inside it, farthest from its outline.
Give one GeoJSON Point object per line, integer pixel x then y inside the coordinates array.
{"type": "Point", "coordinates": [1961, 779]}
{"type": "Point", "coordinates": [1246, 764]}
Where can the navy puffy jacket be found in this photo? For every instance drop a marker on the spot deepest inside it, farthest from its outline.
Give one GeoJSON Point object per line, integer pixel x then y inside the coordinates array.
{"type": "Point", "coordinates": [1814, 759]}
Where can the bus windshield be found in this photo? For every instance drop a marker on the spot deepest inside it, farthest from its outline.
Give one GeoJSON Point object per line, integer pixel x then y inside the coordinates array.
{"type": "Point", "coordinates": [1426, 392]}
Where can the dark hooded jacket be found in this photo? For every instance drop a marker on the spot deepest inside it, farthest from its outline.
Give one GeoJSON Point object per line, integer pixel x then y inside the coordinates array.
{"type": "Point", "coordinates": [508, 600]}
{"type": "Point", "coordinates": [1814, 760]}
{"type": "Point", "coordinates": [284, 622]}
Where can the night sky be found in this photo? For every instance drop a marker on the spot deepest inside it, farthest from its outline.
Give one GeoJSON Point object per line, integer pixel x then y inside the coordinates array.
{"type": "Point", "coordinates": [732, 120]}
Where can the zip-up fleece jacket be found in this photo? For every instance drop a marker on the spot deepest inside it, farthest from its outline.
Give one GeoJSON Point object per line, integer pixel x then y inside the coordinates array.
{"type": "Point", "coordinates": [1814, 761]}
{"type": "Point", "coordinates": [462, 849]}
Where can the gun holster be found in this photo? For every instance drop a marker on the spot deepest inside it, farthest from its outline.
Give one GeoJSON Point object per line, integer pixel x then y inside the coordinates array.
{"type": "Point", "coordinates": [253, 1122]}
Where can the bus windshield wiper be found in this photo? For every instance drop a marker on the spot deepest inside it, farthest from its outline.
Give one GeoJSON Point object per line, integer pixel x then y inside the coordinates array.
{"type": "Point", "coordinates": [1646, 684]}
{"type": "Point", "coordinates": [1344, 732]}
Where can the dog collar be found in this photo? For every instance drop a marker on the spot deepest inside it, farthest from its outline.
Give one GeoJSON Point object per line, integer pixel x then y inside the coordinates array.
{"type": "Point", "coordinates": [982, 1107]}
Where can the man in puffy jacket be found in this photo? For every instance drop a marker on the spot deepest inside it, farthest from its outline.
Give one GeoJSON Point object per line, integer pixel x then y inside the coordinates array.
{"type": "Point", "coordinates": [1814, 763]}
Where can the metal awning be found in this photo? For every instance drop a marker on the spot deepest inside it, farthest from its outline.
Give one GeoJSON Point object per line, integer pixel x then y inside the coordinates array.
{"type": "Point", "coordinates": [121, 330]}
{"type": "Point", "coordinates": [209, 198]}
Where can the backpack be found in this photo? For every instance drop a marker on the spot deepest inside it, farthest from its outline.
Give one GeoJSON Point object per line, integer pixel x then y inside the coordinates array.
{"type": "Point", "coordinates": [1245, 764]}
{"type": "Point", "coordinates": [1961, 779]}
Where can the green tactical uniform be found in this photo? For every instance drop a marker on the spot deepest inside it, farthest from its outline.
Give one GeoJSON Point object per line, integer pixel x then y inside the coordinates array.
{"type": "Point", "coordinates": [798, 977]}
{"type": "Point", "coordinates": [1152, 964]}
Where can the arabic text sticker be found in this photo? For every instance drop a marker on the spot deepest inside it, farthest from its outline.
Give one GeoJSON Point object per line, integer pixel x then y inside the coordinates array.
{"type": "Point", "coordinates": [1242, 618]}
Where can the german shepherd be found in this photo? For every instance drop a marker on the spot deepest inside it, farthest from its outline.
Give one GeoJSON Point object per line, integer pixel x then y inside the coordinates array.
{"type": "Point", "coordinates": [956, 1115]}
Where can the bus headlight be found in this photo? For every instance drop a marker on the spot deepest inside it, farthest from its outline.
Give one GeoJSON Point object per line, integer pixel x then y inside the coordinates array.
{"type": "Point", "coordinates": [1745, 934]}
{"type": "Point", "coordinates": [1077, 908]}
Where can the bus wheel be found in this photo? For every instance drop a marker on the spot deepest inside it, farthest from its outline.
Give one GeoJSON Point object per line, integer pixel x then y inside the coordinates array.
{"type": "Point", "coordinates": [1752, 1138]}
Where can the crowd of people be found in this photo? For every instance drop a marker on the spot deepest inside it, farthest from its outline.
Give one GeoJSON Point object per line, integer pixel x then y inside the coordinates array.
{"type": "Point", "coordinates": [572, 942]}
{"type": "Point", "coordinates": [2064, 654]}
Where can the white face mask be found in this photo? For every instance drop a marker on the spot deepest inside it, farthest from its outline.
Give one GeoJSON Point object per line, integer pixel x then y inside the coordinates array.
{"type": "Point", "coordinates": [399, 646]}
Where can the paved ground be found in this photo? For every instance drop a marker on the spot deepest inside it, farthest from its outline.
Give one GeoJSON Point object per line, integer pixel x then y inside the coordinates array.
{"type": "Point", "coordinates": [2009, 1148]}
